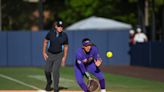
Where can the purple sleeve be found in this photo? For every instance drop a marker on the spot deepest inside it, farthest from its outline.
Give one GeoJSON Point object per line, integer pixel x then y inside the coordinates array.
{"type": "Point", "coordinates": [79, 60]}
{"type": "Point", "coordinates": [96, 53]}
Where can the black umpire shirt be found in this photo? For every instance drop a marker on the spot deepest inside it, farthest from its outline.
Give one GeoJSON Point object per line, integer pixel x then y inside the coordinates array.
{"type": "Point", "coordinates": [56, 41]}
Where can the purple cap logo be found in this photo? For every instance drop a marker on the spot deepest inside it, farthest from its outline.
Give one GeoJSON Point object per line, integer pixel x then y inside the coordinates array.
{"type": "Point", "coordinates": [87, 43]}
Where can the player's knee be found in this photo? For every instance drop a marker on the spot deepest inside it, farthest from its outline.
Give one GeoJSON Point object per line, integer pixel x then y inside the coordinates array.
{"type": "Point", "coordinates": [80, 82]}
{"type": "Point", "coordinates": [101, 78]}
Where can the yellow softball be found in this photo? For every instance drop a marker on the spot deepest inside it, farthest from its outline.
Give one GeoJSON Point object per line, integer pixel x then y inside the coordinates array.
{"type": "Point", "coordinates": [109, 54]}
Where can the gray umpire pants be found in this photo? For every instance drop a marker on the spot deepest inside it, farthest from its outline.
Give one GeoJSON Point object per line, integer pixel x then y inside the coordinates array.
{"type": "Point", "coordinates": [53, 64]}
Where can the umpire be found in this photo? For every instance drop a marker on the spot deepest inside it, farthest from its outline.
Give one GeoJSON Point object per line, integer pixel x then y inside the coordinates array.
{"type": "Point", "coordinates": [56, 54]}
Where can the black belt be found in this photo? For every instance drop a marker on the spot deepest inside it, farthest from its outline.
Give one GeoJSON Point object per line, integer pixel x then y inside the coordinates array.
{"type": "Point", "coordinates": [55, 52]}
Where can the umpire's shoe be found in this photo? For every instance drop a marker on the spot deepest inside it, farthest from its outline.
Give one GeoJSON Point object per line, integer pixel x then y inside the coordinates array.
{"type": "Point", "coordinates": [48, 86]}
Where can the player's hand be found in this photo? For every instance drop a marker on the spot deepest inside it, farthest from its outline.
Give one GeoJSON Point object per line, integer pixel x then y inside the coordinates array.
{"type": "Point", "coordinates": [63, 61]}
{"type": "Point", "coordinates": [45, 56]}
{"type": "Point", "coordinates": [98, 62]}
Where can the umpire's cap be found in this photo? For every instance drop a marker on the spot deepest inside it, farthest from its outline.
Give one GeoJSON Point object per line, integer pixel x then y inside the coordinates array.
{"type": "Point", "coordinates": [59, 23]}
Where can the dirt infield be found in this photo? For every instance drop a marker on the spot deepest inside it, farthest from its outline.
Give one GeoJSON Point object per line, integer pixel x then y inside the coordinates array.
{"type": "Point", "coordinates": [136, 71]}
{"type": "Point", "coordinates": [39, 91]}
{"type": "Point", "coordinates": [36, 91]}
{"type": "Point", "coordinates": [18, 91]}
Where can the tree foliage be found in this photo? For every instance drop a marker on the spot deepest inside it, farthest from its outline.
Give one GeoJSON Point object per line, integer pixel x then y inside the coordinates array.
{"type": "Point", "coordinates": [76, 10]}
{"type": "Point", "coordinates": [16, 13]}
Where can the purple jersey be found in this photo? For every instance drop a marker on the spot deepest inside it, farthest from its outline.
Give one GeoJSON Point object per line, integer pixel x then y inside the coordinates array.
{"type": "Point", "coordinates": [83, 58]}
{"type": "Point", "coordinates": [85, 64]}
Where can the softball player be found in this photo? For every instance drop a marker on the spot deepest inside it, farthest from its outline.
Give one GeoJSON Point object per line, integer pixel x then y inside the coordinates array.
{"type": "Point", "coordinates": [55, 56]}
{"type": "Point", "coordinates": [88, 61]}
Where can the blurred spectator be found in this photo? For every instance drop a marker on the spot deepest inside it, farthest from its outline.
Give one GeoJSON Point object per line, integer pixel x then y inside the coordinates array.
{"type": "Point", "coordinates": [47, 19]}
{"type": "Point", "coordinates": [131, 40]}
{"type": "Point", "coordinates": [131, 37]}
{"type": "Point", "coordinates": [35, 19]}
{"type": "Point", "coordinates": [35, 14]}
{"type": "Point", "coordinates": [140, 37]}
{"type": "Point", "coordinates": [35, 28]}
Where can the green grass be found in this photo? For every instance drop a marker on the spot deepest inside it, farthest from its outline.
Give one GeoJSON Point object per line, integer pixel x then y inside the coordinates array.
{"type": "Point", "coordinates": [35, 76]}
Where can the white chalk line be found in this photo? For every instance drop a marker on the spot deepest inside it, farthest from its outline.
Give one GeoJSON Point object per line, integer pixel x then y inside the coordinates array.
{"type": "Point", "coordinates": [63, 81]}
{"type": "Point", "coordinates": [18, 81]}
{"type": "Point", "coordinates": [38, 77]}
{"type": "Point", "coordinates": [42, 78]}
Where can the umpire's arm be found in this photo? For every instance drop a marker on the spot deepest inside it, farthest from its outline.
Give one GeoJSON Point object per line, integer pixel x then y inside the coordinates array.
{"type": "Point", "coordinates": [45, 56]}
{"type": "Point", "coordinates": [65, 55]}
{"type": "Point", "coordinates": [65, 49]}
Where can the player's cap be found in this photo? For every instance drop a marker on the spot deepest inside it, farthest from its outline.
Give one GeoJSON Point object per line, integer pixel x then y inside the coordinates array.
{"type": "Point", "coordinates": [87, 43]}
{"type": "Point", "coordinates": [59, 23]}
